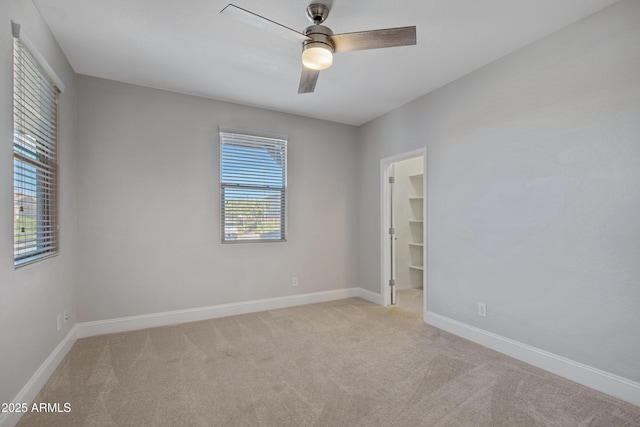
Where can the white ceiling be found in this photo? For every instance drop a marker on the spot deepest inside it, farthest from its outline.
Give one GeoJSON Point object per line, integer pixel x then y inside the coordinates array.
{"type": "Point", "coordinates": [188, 46]}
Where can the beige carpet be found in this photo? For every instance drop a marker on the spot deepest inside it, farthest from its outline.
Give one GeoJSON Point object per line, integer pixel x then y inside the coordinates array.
{"type": "Point", "coordinates": [342, 363]}
{"type": "Point", "coordinates": [410, 300]}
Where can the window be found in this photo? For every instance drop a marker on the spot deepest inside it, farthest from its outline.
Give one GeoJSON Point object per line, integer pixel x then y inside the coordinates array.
{"type": "Point", "coordinates": [35, 116]}
{"type": "Point", "coordinates": [253, 188]}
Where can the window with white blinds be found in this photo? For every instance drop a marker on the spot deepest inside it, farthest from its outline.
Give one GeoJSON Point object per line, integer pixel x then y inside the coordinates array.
{"type": "Point", "coordinates": [253, 188]}
{"type": "Point", "coordinates": [35, 117]}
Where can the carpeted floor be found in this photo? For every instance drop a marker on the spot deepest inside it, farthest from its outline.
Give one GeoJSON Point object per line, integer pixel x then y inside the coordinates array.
{"type": "Point", "coordinates": [410, 300]}
{"type": "Point", "coordinates": [341, 363]}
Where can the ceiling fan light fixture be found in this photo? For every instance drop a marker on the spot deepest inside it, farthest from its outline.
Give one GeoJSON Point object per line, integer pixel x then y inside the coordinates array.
{"type": "Point", "coordinates": [317, 56]}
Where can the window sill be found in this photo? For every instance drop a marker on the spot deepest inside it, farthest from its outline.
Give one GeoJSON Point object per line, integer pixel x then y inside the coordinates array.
{"type": "Point", "coordinates": [33, 260]}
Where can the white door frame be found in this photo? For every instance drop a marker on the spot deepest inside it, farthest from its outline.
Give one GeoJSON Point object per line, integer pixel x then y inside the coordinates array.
{"type": "Point", "coordinates": [385, 223]}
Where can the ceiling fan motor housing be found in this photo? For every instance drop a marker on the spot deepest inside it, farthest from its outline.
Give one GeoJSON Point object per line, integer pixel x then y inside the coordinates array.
{"type": "Point", "coordinates": [318, 34]}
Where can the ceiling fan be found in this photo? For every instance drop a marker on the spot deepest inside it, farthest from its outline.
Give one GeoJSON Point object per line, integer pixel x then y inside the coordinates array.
{"type": "Point", "coordinates": [319, 43]}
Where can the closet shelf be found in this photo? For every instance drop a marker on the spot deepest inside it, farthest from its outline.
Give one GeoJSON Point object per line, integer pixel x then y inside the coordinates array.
{"type": "Point", "coordinates": [416, 176]}
{"type": "Point", "coordinates": [416, 198]}
{"type": "Point", "coordinates": [420, 245]}
{"type": "Point", "coordinates": [417, 267]}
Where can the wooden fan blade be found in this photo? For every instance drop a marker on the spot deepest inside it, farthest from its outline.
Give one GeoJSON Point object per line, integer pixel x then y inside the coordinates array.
{"type": "Point", "coordinates": [263, 23]}
{"type": "Point", "coordinates": [308, 80]}
{"type": "Point", "coordinates": [375, 39]}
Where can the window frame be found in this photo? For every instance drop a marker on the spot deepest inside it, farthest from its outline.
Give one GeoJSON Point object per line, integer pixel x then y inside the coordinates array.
{"type": "Point", "coordinates": [270, 143]}
{"type": "Point", "coordinates": [36, 94]}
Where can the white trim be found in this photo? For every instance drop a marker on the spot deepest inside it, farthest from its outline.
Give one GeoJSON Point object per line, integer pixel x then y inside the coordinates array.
{"type": "Point", "coordinates": [18, 34]}
{"type": "Point", "coordinates": [39, 378]}
{"type": "Point", "coordinates": [367, 295]}
{"type": "Point", "coordinates": [153, 320]}
{"type": "Point", "coordinates": [596, 379]}
{"type": "Point", "coordinates": [385, 255]}
{"type": "Point", "coordinates": [252, 132]}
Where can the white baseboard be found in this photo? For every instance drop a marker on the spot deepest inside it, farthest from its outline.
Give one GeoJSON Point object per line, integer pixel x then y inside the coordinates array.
{"type": "Point", "coordinates": [369, 296]}
{"type": "Point", "coordinates": [132, 323]}
{"type": "Point", "coordinates": [596, 379]}
{"type": "Point", "coordinates": [39, 378]}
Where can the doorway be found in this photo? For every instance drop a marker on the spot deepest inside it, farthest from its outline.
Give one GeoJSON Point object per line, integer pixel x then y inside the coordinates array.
{"type": "Point", "coordinates": [404, 231]}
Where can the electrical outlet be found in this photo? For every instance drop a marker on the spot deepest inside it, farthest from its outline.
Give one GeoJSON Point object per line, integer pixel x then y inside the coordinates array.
{"type": "Point", "coordinates": [482, 309]}
{"type": "Point", "coordinates": [295, 281]}
{"type": "Point", "coordinates": [66, 316]}
{"type": "Point", "coordinates": [59, 321]}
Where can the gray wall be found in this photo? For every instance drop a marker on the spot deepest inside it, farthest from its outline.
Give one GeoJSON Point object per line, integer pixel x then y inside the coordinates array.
{"type": "Point", "coordinates": [533, 192]}
{"type": "Point", "coordinates": [32, 296]}
{"type": "Point", "coordinates": [149, 204]}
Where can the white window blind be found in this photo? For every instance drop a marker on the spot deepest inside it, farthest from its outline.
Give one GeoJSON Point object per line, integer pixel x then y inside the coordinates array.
{"type": "Point", "coordinates": [253, 188]}
{"type": "Point", "coordinates": [35, 117]}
